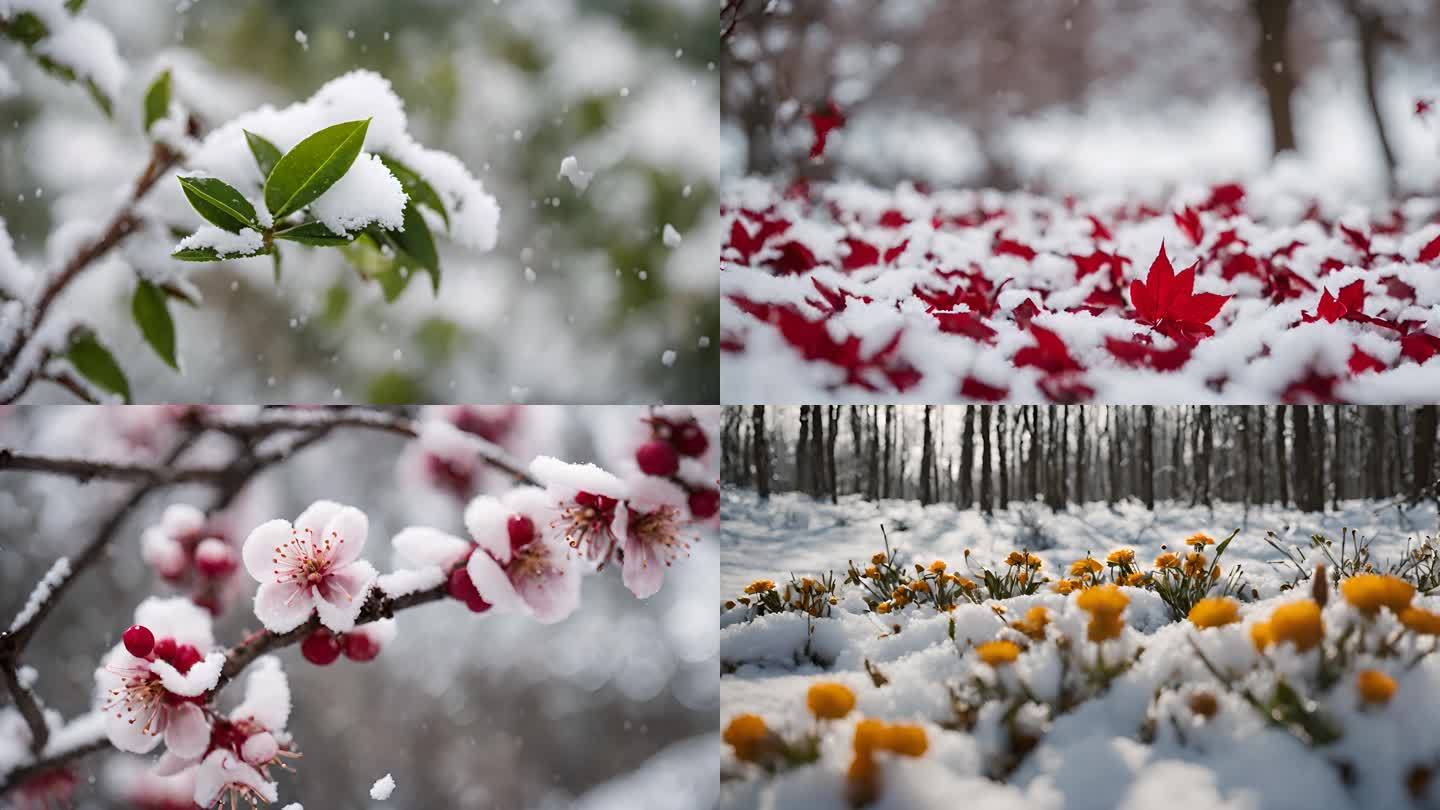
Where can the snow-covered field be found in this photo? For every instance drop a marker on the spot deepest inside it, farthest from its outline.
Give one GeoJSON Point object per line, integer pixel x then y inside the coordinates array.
{"type": "Point", "coordinates": [1264, 291]}
{"type": "Point", "coordinates": [1133, 722]}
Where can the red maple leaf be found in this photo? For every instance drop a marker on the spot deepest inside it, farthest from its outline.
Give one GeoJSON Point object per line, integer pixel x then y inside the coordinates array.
{"type": "Point", "coordinates": [748, 243]}
{"type": "Point", "coordinates": [1361, 362]}
{"type": "Point", "coordinates": [861, 254]}
{"type": "Point", "coordinates": [1419, 346]}
{"type": "Point", "coordinates": [894, 253]}
{"type": "Point", "coordinates": [1357, 239]}
{"type": "Point", "coordinates": [1099, 231]}
{"type": "Point", "coordinates": [1167, 302]}
{"type": "Point", "coordinates": [1049, 353]}
{"type": "Point", "coordinates": [1431, 251]}
{"type": "Point", "coordinates": [835, 300]}
{"type": "Point", "coordinates": [892, 218]}
{"type": "Point", "coordinates": [971, 388]}
{"type": "Point", "coordinates": [823, 121]}
{"type": "Point", "coordinates": [794, 258]}
{"type": "Point", "coordinates": [1225, 199]}
{"type": "Point", "coordinates": [1189, 222]}
{"type": "Point", "coordinates": [1313, 388]}
{"type": "Point", "coordinates": [1349, 305]}
{"type": "Point", "coordinates": [1025, 312]}
{"type": "Point", "coordinates": [1143, 354]}
{"type": "Point", "coordinates": [965, 323]}
{"type": "Point", "coordinates": [1009, 247]}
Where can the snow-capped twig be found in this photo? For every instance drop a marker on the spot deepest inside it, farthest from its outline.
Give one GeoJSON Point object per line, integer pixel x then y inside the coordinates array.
{"type": "Point", "coordinates": [15, 380]}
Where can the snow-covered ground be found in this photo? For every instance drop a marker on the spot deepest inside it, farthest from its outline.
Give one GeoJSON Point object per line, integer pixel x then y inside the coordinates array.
{"type": "Point", "coordinates": [1150, 735]}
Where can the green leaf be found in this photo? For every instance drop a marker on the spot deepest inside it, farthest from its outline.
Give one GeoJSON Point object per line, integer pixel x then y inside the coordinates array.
{"type": "Point", "coordinates": [96, 364]}
{"type": "Point", "coordinates": [314, 233]}
{"type": "Point", "coordinates": [374, 264]}
{"type": "Point", "coordinates": [74, 6]}
{"type": "Point", "coordinates": [209, 254]}
{"type": "Point", "coordinates": [417, 245]}
{"type": "Point", "coordinates": [313, 166]}
{"type": "Point", "coordinates": [393, 388]}
{"type": "Point", "coordinates": [26, 28]}
{"type": "Point", "coordinates": [266, 153]}
{"type": "Point", "coordinates": [219, 203]}
{"type": "Point", "coordinates": [153, 318]}
{"type": "Point", "coordinates": [415, 187]}
{"type": "Point", "coordinates": [157, 100]}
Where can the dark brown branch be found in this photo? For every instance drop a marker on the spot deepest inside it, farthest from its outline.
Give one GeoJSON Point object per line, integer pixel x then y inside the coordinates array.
{"type": "Point", "coordinates": [85, 471]}
{"type": "Point", "coordinates": [122, 225]}
{"type": "Point", "coordinates": [29, 705]}
{"type": "Point", "coordinates": [237, 658]}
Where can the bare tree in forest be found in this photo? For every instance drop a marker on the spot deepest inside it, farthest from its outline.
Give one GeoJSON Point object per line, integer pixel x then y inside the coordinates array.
{"type": "Point", "coordinates": [1032, 450]}
{"type": "Point", "coordinates": [889, 450]}
{"type": "Point", "coordinates": [1282, 466]}
{"type": "Point", "coordinates": [834, 428]}
{"type": "Point", "coordinates": [1302, 457]}
{"type": "Point", "coordinates": [1112, 426]}
{"type": "Point", "coordinates": [985, 500]}
{"type": "Point", "coordinates": [1422, 480]}
{"type": "Point", "coordinates": [927, 451]}
{"type": "Point", "coordinates": [857, 438]}
{"type": "Point", "coordinates": [1372, 34]}
{"type": "Point", "coordinates": [1004, 433]}
{"type": "Point", "coordinates": [762, 452]}
{"type": "Point", "coordinates": [1080, 471]}
{"type": "Point", "coordinates": [1317, 470]}
{"type": "Point", "coordinates": [1275, 70]}
{"type": "Point", "coordinates": [1204, 451]}
{"type": "Point", "coordinates": [967, 460]}
{"type": "Point", "coordinates": [1147, 458]}
{"type": "Point", "coordinates": [802, 452]}
{"type": "Point", "coordinates": [1337, 457]}
{"type": "Point", "coordinates": [873, 487]}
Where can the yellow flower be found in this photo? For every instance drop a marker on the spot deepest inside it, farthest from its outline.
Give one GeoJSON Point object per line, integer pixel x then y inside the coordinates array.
{"type": "Point", "coordinates": [1195, 564]}
{"type": "Point", "coordinates": [760, 586]}
{"type": "Point", "coordinates": [1104, 627]}
{"type": "Point", "coordinates": [998, 653]}
{"type": "Point", "coordinates": [1420, 620]}
{"type": "Point", "coordinates": [807, 585]}
{"type": "Point", "coordinates": [963, 582]}
{"type": "Point", "coordinates": [883, 607]}
{"type": "Point", "coordinates": [1102, 600]}
{"type": "Point", "coordinates": [1375, 686]}
{"type": "Point", "coordinates": [1032, 561]}
{"type": "Point", "coordinates": [1121, 556]}
{"type": "Point", "coordinates": [1022, 577]}
{"type": "Point", "coordinates": [871, 572]}
{"type": "Point", "coordinates": [898, 593]}
{"type": "Point", "coordinates": [907, 739]}
{"type": "Point", "coordinates": [1261, 636]}
{"type": "Point", "coordinates": [1089, 565]}
{"type": "Point", "coordinates": [1167, 560]}
{"type": "Point", "coordinates": [1015, 558]}
{"type": "Point", "coordinates": [1064, 586]}
{"type": "Point", "coordinates": [748, 735]}
{"type": "Point", "coordinates": [878, 558]}
{"type": "Point", "coordinates": [871, 735]}
{"type": "Point", "coordinates": [1298, 623]}
{"type": "Point", "coordinates": [1370, 592]}
{"type": "Point", "coordinates": [1199, 540]}
{"type": "Point", "coordinates": [1215, 612]}
{"type": "Point", "coordinates": [937, 567]}
{"type": "Point", "coordinates": [830, 701]}
{"type": "Point", "coordinates": [1033, 625]}
{"type": "Point", "coordinates": [1136, 579]}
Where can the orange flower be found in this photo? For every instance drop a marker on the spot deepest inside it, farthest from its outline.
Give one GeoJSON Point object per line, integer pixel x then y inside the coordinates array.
{"type": "Point", "coordinates": [1195, 564]}
{"type": "Point", "coordinates": [1199, 540]}
{"type": "Point", "coordinates": [1375, 686]}
{"type": "Point", "coordinates": [1032, 561]}
{"type": "Point", "coordinates": [1033, 625]}
{"type": "Point", "coordinates": [1064, 586]}
{"type": "Point", "coordinates": [871, 735]}
{"type": "Point", "coordinates": [1167, 560]}
{"type": "Point", "coordinates": [830, 701]}
{"type": "Point", "coordinates": [1089, 565]}
{"type": "Point", "coordinates": [1015, 558]}
{"type": "Point", "coordinates": [1104, 627]}
{"type": "Point", "coordinates": [879, 558]}
{"type": "Point", "coordinates": [908, 740]}
{"type": "Point", "coordinates": [1298, 623]}
{"type": "Point", "coordinates": [760, 586]}
{"type": "Point", "coordinates": [748, 735]}
{"type": "Point", "coordinates": [937, 567]}
{"type": "Point", "coordinates": [998, 653]}
{"type": "Point", "coordinates": [1102, 600]}
{"type": "Point", "coordinates": [1121, 556]}
{"type": "Point", "coordinates": [1370, 592]}
{"type": "Point", "coordinates": [1215, 612]}
{"type": "Point", "coordinates": [1421, 621]}
{"type": "Point", "coordinates": [883, 607]}
{"type": "Point", "coordinates": [1261, 636]}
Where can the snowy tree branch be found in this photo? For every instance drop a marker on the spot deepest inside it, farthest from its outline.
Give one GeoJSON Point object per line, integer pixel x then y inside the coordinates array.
{"type": "Point", "coordinates": [122, 225]}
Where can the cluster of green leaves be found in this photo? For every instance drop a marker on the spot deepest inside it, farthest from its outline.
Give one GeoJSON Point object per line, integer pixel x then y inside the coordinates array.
{"type": "Point", "coordinates": [293, 180]}
{"type": "Point", "coordinates": [29, 30]}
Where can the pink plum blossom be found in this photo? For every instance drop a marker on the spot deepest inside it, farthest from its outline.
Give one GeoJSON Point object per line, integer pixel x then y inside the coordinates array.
{"type": "Point", "coordinates": [313, 565]}
{"type": "Point", "coordinates": [159, 694]}
{"type": "Point", "coordinates": [649, 525]}
{"type": "Point", "coordinates": [588, 499]}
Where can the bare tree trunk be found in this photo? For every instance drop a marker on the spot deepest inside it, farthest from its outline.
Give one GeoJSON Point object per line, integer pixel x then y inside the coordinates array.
{"type": "Point", "coordinates": [1318, 479]}
{"type": "Point", "coordinates": [873, 487]}
{"type": "Point", "coordinates": [1303, 458]}
{"type": "Point", "coordinates": [1282, 466]}
{"type": "Point", "coordinates": [1375, 462]}
{"type": "Point", "coordinates": [1080, 470]}
{"type": "Point", "coordinates": [1204, 453]}
{"type": "Point", "coordinates": [857, 438]}
{"type": "Point", "coordinates": [762, 452]}
{"type": "Point", "coordinates": [830, 453]}
{"type": "Point", "coordinates": [927, 450]}
{"type": "Point", "coordinates": [1275, 70]}
{"type": "Point", "coordinates": [1147, 448]}
{"type": "Point", "coordinates": [889, 450]}
{"type": "Point", "coordinates": [1032, 450]}
{"type": "Point", "coordinates": [1371, 33]}
{"type": "Point", "coordinates": [802, 452]}
{"type": "Point", "coordinates": [986, 504]}
{"type": "Point", "coordinates": [1422, 480]}
{"type": "Point", "coordinates": [1337, 457]}
{"type": "Point", "coordinates": [967, 459]}
{"type": "Point", "coordinates": [1112, 427]}
{"type": "Point", "coordinates": [1004, 429]}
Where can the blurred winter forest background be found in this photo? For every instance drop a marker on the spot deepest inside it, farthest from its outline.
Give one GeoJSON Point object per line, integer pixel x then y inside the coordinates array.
{"type": "Point", "coordinates": [581, 301]}
{"type": "Point", "coordinates": [1079, 96]}
{"type": "Point", "coordinates": [616, 706]}
{"type": "Point", "coordinates": [987, 457]}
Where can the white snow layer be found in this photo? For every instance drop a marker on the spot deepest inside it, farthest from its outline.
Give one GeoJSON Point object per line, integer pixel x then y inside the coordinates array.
{"type": "Point", "coordinates": [383, 787]}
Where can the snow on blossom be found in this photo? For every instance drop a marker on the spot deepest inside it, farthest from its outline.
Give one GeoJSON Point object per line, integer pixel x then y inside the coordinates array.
{"type": "Point", "coordinates": [517, 566]}
{"type": "Point", "coordinates": [588, 497]}
{"type": "Point", "coordinates": [650, 525]}
{"type": "Point", "coordinates": [311, 566]}
{"type": "Point", "coordinates": [383, 787]}
{"type": "Point", "coordinates": [150, 686]}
